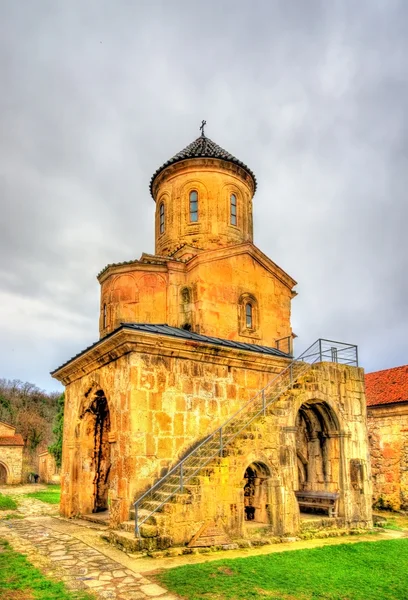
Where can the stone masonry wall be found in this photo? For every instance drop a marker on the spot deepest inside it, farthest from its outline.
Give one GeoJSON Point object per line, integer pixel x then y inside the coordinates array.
{"type": "Point", "coordinates": [161, 401]}
{"type": "Point", "coordinates": [11, 457]}
{"type": "Point", "coordinates": [218, 493]}
{"type": "Point", "coordinates": [388, 434]}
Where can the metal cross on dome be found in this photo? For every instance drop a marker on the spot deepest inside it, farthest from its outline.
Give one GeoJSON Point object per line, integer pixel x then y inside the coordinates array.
{"type": "Point", "coordinates": [203, 124]}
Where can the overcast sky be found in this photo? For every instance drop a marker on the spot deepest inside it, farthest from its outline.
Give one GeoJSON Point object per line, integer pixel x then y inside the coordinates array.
{"type": "Point", "coordinates": [95, 95]}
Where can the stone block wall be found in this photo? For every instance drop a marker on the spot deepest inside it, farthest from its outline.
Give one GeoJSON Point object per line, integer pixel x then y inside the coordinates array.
{"type": "Point", "coordinates": [388, 434]}
{"type": "Point", "coordinates": [11, 461]}
{"type": "Point", "coordinates": [47, 469]}
{"type": "Point", "coordinates": [162, 398]}
{"type": "Point", "coordinates": [218, 493]}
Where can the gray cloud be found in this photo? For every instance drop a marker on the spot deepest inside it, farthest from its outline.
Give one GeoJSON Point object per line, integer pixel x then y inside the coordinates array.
{"type": "Point", "coordinates": [95, 96]}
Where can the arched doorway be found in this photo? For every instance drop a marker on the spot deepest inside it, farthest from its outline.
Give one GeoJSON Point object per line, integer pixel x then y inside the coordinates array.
{"type": "Point", "coordinates": [96, 450]}
{"type": "Point", "coordinates": [318, 449]}
{"type": "Point", "coordinates": [3, 474]}
{"type": "Point", "coordinates": [256, 493]}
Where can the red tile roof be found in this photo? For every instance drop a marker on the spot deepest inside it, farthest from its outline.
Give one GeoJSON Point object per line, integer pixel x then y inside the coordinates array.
{"type": "Point", "coordinates": [387, 387]}
{"type": "Point", "coordinates": [12, 440]}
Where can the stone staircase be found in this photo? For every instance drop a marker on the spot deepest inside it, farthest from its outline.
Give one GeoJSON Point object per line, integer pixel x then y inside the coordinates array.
{"type": "Point", "coordinates": [153, 507]}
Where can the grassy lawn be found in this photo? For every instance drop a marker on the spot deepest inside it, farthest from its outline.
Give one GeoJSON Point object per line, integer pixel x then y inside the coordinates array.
{"type": "Point", "coordinates": [51, 495]}
{"type": "Point", "coordinates": [361, 571]}
{"type": "Point", "coordinates": [19, 580]}
{"type": "Point", "coordinates": [7, 503]}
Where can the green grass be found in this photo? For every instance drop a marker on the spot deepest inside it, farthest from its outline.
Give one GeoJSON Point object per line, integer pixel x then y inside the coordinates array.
{"type": "Point", "coordinates": [19, 580]}
{"type": "Point", "coordinates": [361, 571]}
{"type": "Point", "coordinates": [7, 503]}
{"type": "Point", "coordinates": [51, 495]}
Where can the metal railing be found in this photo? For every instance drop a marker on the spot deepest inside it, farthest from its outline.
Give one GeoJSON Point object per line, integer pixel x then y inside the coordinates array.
{"type": "Point", "coordinates": [213, 445]}
{"type": "Point", "coordinates": [285, 345]}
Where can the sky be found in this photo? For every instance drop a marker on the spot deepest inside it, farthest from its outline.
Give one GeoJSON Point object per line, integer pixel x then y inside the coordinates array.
{"type": "Point", "coordinates": [96, 95]}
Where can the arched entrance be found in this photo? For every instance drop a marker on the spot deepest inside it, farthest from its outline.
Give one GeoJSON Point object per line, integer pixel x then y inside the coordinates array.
{"type": "Point", "coordinates": [96, 450]}
{"type": "Point", "coordinates": [3, 474]}
{"type": "Point", "coordinates": [256, 493]}
{"type": "Point", "coordinates": [318, 449]}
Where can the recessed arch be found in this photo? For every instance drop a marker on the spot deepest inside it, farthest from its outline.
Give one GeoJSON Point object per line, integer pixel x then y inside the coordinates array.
{"type": "Point", "coordinates": [318, 449]}
{"type": "Point", "coordinates": [4, 473]}
{"type": "Point", "coordinates": [94, 430]}
{"type": "Point", "coordinates": [248, 314]}
{"type": "Point", "coordinates": [256, 478]}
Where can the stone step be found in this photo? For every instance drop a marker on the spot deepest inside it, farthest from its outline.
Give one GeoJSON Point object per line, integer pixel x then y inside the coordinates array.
{"type": "Point", "coordinates": [314, 522]}
{"type": "Point", "coordinates": [125, 540]}
{"type": "Point", "coordinates": [127, 526]}
{"type": "Point", "coordinates": [101, 518]}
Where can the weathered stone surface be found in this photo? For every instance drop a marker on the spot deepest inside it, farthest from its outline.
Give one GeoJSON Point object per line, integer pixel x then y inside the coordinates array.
{"type": "Point", "coordinates": [11, 455]}
{"type": "Point", "coordinates": [388, 436]}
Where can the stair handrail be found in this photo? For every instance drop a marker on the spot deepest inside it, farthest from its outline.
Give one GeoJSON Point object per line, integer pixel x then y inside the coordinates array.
{"type": "Point", "coordinates": [319, 357]}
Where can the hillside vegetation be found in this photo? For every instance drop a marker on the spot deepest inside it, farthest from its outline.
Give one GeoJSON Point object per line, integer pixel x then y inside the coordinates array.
{"type": "Point", "coordinates": [33, 412]}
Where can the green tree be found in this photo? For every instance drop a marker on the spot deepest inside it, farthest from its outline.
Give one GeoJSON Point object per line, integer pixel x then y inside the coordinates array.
{"type": "Point", "coordinates": [56, 448]}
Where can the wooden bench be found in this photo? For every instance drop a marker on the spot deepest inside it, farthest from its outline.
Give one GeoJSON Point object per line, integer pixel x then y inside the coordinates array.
{"type": "Point", "coordinates": [319, 499]}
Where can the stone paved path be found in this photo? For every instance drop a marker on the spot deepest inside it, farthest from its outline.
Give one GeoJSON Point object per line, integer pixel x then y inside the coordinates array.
{"type": "Point", "coordinates": [28, 507]}
{"type": "Point", "coordinates": [65, 557]}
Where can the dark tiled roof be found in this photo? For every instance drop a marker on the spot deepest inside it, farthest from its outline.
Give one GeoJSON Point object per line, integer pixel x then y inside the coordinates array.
{"type": "Point", "coordinates": [202, 147]}
{"type": "Point", "coordinates": [198, 337]}
{"type": "Point", "coordinates": [12, 440]}
{"type": "Point", "coordinates": [387, 387]}
{"type": "Point", "coordinates": [182, 333]}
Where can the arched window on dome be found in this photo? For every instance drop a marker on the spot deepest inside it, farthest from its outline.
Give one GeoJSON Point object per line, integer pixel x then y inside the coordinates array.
{"type": "Point", "coordinates": [249, 320]}
{"type": "Point", "coordinates": [161, 218]}
{"type": "Point", "coordinates": [193, 206]}
{"type": "Point", "coordinates": [233, 209]}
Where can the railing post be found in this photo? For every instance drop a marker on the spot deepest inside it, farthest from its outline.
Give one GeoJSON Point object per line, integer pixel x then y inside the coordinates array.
{"type": "Point", "coordinates": [320, 350]}
{"type": "Point", "coordinates": [221, 442]}
{"type": "Point", "coordinates": [181, 477]}
{"type": "Point", "coordinates": [356, 356]}
{"type": "Point", "coordinates": [263, 403]}
{"type": "Point", "coordinates": [136, 522]}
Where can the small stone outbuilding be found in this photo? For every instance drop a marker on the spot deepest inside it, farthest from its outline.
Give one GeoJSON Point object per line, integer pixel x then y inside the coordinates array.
{"type": "Point", "coordinates": [387, 417]}
{"type": "Point", "coordinates": [11, 455]}
{"type": "Point", "coordinates": [47, 468]}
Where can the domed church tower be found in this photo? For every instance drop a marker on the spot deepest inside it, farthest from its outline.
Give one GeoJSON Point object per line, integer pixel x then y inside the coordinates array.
{"type": "Point", "coordinates": [203, 199]}
{"type": "Point", "coordinates": [206, 276]}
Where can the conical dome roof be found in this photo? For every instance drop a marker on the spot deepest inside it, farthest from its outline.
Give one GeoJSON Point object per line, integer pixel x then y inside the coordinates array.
{"type": "Point", "coordinates": [202, 147]}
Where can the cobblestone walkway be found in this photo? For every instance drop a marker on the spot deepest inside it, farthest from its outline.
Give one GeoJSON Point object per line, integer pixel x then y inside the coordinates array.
{"type": "Point", "coordinates": [66, 558]}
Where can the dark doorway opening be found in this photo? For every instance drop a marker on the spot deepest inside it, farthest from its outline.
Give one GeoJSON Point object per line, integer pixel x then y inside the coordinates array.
{"type": "Point", "coordinates": [256, 493]}
{"type": "Point", "coordinates": [97, 423]}
{"type": "Point", "coordinates": [3, 474]}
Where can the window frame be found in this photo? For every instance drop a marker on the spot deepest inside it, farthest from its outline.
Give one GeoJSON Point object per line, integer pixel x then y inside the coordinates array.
{"type": "Point", "coordinates": [249, 316]}
{"type": "Point", "coordinates": [233, 210]}
{"type": "Point", "coordinates": [162, 218]}
{"type": "Point", "coordinates": [193, 212]}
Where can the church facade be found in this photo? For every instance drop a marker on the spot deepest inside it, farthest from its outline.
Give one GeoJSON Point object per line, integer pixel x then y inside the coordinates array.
{"type": "Point", "coordinates": [191, 403]}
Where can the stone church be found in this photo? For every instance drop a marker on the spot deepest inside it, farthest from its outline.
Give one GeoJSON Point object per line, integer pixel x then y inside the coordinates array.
{"type": "Point", "coordinates": [190, 411]}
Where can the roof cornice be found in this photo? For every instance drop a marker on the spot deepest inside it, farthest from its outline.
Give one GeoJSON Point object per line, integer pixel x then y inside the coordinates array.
{"type": "Point", "coordinates": [125, 340]}
{"type": "Point", "coordinates": [245, 248]}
